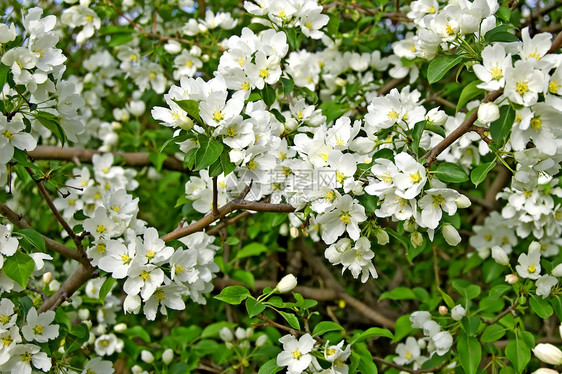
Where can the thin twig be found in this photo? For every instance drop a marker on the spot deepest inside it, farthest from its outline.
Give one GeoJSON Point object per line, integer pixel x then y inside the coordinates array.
{"type": "Point", "coordinates": [56, 212]}
{"type": "Point", "coordinates": [408, 370]}
{"type": "Point", "coordinates": [49, 243]}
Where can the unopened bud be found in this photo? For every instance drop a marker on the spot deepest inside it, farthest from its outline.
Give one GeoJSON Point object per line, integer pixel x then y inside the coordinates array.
{"type": "Point", "coordinates": [186, 123]}
{"type": "Point", "coordinates": [147, 357]}
{"type": "Point", "coordinates": [382, 236]}
{"type": "Point", "coordinates": [137, 369]}
{"type": "Point", "coordinates": [499, 255]}
{"type": "Point", "coordinates": [488, 113]}
{"type": "Point", "coordinates": [287, 283]}
{"type": "Point", "coordinates": [463, 202]}
{"type": "Point", "coordinates": [557, 271]}
{"type": "Point", "coordinates": [261, 340]}
{"type": "Point", "coordinates": [545, 371]}
{"type": "Point", "coordinates": [294, 232]}
{"type": "Point", "coordinates": [47, 277]}
{"type": "Point", "coordinates": [409, 225]}
{"type": "Point", "coordinates": [443, 310]}
{"type": "Point", "coordinates": [416, 238]}
{"type": "Point", "coordinates": [548, 354]}
{"type": "Point", "coordinates": [226, 334]}
{"type": "Point", "coordinates": [120, 327]}
{"type": "Point", "coordinates": [458, 312]}
{"type": "Point", "coordinates": [451, 234]}
{"type": "Point", "coordinates": [168, 356]}
{"type": "Point", "coordinates": [83, 314]}
{"type": "Point", "coordinates": [511, 278]}
{"type": "Point", "coordinates": [534, 246]}
{"type": "Point", "coordinates": [240, 333]}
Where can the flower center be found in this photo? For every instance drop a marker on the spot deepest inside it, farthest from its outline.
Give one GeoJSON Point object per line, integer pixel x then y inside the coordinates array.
{"type": "Point", "coordinates": [145, 275]}
{"type": "Point", "coordinates": [532, 269]}
{"type": "Point", "coordinates": [125, 259]}
{"type": "Point", "coordinates": [179, 269]}
{"type": "Point", "coordinates": [101, 229]}
{"type": "Point", "coordinates": [231, 132]}
{"type": "Point", "coordinates": [7, 340]}
{"type": "Point", "coordinates": [4, 319]}
{"type": "Point", "coordinates": [345, 219]}
{"type": "Point", "coordinates": [8, 134]}
{"type": "Point", "coordinates": [218, 115]}
{"type": "Point", "coordinates": [296, 354]}
{"type": "Point", "coordinates": [536, 123]}
{"type": "Point", "coordinates": [438, 200]}
{"type": "Point", "coordinates": [101, 248]}
{"type": "Point", "coordinates": [496, 72]}
{"type": "Point", "coordinates": [38, 329]}
{"type": "Point", "coordinates": [252, 165]}
{"type": "Point", "coordinates": [553, 86]}
{"type": "Point", "coordinates": [393, 114]}
{"type": "Point", "coordinates": [415, 177]}
{"type": "Point", "coordinates": [522, 87]}
{"type": "Point", "coordinates": [26, 357]}
{"type": "Point", "coordinates": [264, 73]}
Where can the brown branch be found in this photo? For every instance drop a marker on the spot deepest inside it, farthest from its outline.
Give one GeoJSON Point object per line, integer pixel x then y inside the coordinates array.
{"type": "Point", "coordinates": [49, 243]}
{"type": "Point", "coordinates": [389, 86]}
{"type": "Point", "coordinates": [465, 127]}
{"type": "Point", "coordinates": [133, 159]}
{"type": "Point", "coordinates": [322, 270]}
{"type": "Point", "coordinates": [483, 132]}
{"type": "Point", "coordinates": [442, 101]}
{"type": "Point", "coordinates": [500, 316]}
{"type": "Point", "coordinates": [76, 280]}
{"type": "Point", "coordinates": [216, 229]}
{"type": "Point", "coordinates": [55, 211]}
{"type": "Point", "coordinates": [237, 204]}
{"type": "Point", "coordinates": [556, 43]}
{"type": "Point", "coordinates": [215, 197]}
{"type": "Point", "coordinates": [143, 31]}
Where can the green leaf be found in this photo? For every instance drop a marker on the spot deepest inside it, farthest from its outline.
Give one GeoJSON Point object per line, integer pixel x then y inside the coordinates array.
{"type": "Point", "coordinates": [137, 332]}
{"type": "Point", "coordinates": [450, 173]}
{"type": "Point", "coordinates": [556, 302]}
{"type": "Point", "coordinates": [416, 135]}
{"type": "Point", "coordinates": [212, 331]}
{"type": "Point", "coordinates": [291, 319]}
{"type": "Point", "coordinates": [470, 353]}
{"type": "Point", "coordinates": [227, 165]}
{"type": "Point", "coordinates": [34, 238]}
{"type": "Point", "coordinates": [268, 95]}
{"type": "Point", "coordinates": [157, 159]}
{"type": "Point", "coordinates": [52, 123]}
{"type": "Point", "coordinates": [333, 24]}
{"type": "Point", "coordinates": [270, 367]}
{"type": "Point", "coordinates": [208, 152]}
{"type": "Point", "coordinates": [371, 333]}
{"type": "Point", "coordinates": [244, 276]}
{"type": "Point", "coordinates": [233, 295]}
{"type": "Point", "coordinates": [120, 39]}
{"type": "Point", "coordinates": [191, 107]}
{"type": "Point", "coordinates": [479, 173]}
{"type": "Point", "coordinates": [81, 332]}
{"type": "Point", "coordinates": [471, 325]}
{"type": "Point", "coordinates": [280, 117]}
{"type": "Point", "coordinates": [500, 128]}
{"type": "Point", "coordinates": [19, 268]}
{"type": "Point", "coordinates": [436, 129]}
{"type": "Point", "coordinates": [504, 13]}
{"type": "Point", "coordinates": [500, 34]}
{"type": "Point", "coordinates": [399, 293]}
{"type": "Point", "coordinates": [469, 92]}
{"type": "Point", "coordinates": [492, 270]}
{"type": "Point", "coordinates": [402, 328]}
{"type": "Point", "coordinates": [466, 289]}
{"type": "Point", "coordinates": [254, 307]}
{"type": "Point", "coordinates": [493, 333]}
{"type": "Point", "coordinates": [324, 327]}
{"type": "Point", "coordinates": [288, 86]}
{"type": "Point", "coordinates": [518, 353]}
{"type": "Point", "coordinates": [106, 287]}
{"type": "Point", "coordinates": [540, 306]}
{"type": "Point", "coordinates": [440, 66]}
{"type": "Point", "coordinates": [252, 249]}
{"type": "Point", "coordinates": [3, 74]}
{"type": "Point", "coordinates": [447, 299]}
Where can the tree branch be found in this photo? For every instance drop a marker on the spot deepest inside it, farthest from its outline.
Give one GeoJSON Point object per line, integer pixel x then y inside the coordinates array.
{"type": "Point", "coordinates": [133, 159]}
{"type": "Point", "coordinates": [76, 280]}
{"type": "Point", "coordinates": [49, 243]}
{"type": "Point", "coordinates": [55, 211]}
{"type": "Point", "coordinates": [465, 127]}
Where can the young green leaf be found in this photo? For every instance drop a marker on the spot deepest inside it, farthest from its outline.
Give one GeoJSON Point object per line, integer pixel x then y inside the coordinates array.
{"type": "Point", "coordinates": [324, 327]}
{"type": "Point", "coordinates": [233, 295]}
{"type": "Point", "coordinates": [469, 92]}
{"type": "Point", "coordinates": [470, 353]}
{"type": "Point", "coordinates": [450, 173]}
{"type": "Point", "coordinates": [479, 173]}
{"type": "Point", "coordinates": [254, 307]}
{"type": "Point", "coordinates": [440, 66]}
{"type": "Point", "coordinates": [19, 267]}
